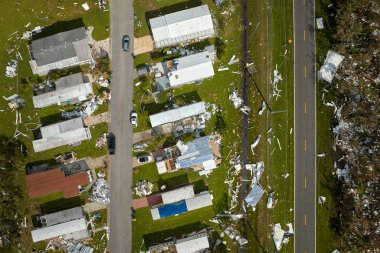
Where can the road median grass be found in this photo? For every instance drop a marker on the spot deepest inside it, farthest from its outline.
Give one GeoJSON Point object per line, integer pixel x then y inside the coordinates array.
{"type": "Point", "coordinates": [327, 240]}
{"type": "Point", "coordinates": [270, 44]}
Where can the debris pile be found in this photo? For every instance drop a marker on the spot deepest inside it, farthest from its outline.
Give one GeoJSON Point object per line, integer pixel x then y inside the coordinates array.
{"type": "Point", "coordinates": [71, 114]}
{"type": "Point", "coordinates": [78, 248]}
{"type": "Point", "coordinates": [235, 235]}
{"type": "Point", "coordinates": [15, 102]}
{"type": "Point", "coordinates": [89, 107]}
{"type": "Point", "coordinates": [101, 141]}
{"type": "Point", "coordinates": [11, 69]}
{"type": "Point", "coordinates": [235, 99]}
{"type": "Point", "coordinates": [102, 4]}
{"type": "Point", "coordinates": [100, 191]}
{"type": "Point", "coordinates": [281, 236]}
{"type": "Point", "coordinates": [255, 143]}
{"type": "Point", "coordinates": [143, 188]}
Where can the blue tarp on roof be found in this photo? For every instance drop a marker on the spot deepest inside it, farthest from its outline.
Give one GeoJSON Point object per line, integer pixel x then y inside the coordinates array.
{"type": "Point", "coordinates": [172, 209]}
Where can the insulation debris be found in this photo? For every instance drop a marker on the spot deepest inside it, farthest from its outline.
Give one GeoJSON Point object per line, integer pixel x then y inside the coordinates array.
{"type": "Point", "coordinates": [235, 99]}
{"type": "Point", "coordinates": [233, 60]}
{"type": "Point", "coordinates": [245, 109]}
{"type": "Point", "coordinates": [11, 69]}
{"type": "Point", "coordinates": [255, 143]}
{"type": "Point", "coordinates": [85, 6]}
{"type": "Point", "coordinates": [276, 80]}
{"type": "Point", "coordinates": [270, 201]}
{"type": "Point", "coordinates": [101, 141]}
{"type": "Point", "coordinates": [14, 101]}
{"type": "Point", "coordinates": [263, 107]}
{"type": "Point", "coordinates": [89, 107]}
{"type": "Point", "coordinates": [143, 188]}
{"type": "Point", "coordinates": [321, 200]}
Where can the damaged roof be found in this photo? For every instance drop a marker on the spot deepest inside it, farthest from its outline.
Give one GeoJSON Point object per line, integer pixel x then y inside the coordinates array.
{"type": "Point", "coordinates": [63, 133]}
{"type": "Point", "coordinates": [177, 114]}
{"type": "Point", "coordinates": [68, 88]}
{"type": "Point", "coordinates": [195, 152]}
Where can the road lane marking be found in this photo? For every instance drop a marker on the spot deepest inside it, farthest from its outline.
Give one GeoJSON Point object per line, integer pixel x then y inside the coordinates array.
{"type": "Point", "coordinates": [305, 183]}
{"type": "Point", "coordinates": [304, 35]}
{"type": "Point", "coordinates": [305, 219]}
{"type": "Point", "coordinates": [305, 71]}
{"type": "Point", "coordinates": [305, 145]}
{"type": "Point", "coordinates": [305, 107]}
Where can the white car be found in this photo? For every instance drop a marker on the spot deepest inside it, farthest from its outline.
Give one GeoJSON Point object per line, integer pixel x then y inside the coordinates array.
{"type": "Point", "coordinates": [144, 159]}
{"type": "Point", "coordinates": [134, 119]}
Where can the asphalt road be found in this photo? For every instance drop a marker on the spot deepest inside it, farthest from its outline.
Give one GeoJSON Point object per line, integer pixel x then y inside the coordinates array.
{"type": "Point", "coordinates": [121, 105]}
{"type": "Point", "coordinates": [304, 126]}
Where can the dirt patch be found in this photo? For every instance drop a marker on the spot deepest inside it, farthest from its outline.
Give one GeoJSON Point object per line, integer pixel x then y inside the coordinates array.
{"type": "Point", "coordinates": [143, 45]}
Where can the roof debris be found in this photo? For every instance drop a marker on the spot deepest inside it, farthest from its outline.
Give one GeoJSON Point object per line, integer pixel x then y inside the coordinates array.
{"type": "Point", "coordinates": [235, 99]}
{"type": "Point", "coordinates": [100, 191]}
{"type": "Point", "coordinates": [143, 188]}
{"type": "Point", "coordinates": [11, 69]}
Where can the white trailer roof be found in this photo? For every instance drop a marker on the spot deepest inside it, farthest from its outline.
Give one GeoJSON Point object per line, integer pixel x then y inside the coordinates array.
{"type": "Point", "coordinates": [182, 26]}
{"type": "Point", "coordinates": [192, 245]}
{"type": "Point", "coordinates": [191, 68]}
{"type": "Point", "coordinates": [177, 114]}
{"type": "Point", "coordinates": [62, 133]}
{"type": "Point", "coordinates": [177, 194]}
{"type": "Point", "coordinates": [201, 200]}
{"type": "Point", "coordinates": [59, 229]}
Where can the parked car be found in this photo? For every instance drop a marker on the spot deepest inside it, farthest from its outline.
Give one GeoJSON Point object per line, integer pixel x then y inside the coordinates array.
{"type": "Point", "coordinates": [111, 142]}
{"type": "Point", "coordinates": [144, 159]}
{"type": "Point", "coordinates": [125, 43]}
{"type": "Point", "coordinates": [134, 119]}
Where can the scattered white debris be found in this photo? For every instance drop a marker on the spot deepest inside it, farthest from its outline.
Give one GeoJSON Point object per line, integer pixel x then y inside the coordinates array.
{"type": "Point", "coordinates": [277, 79]}
{"type": "Point", "coordinates": [85, 6]}
{"type": "Point", "coordinates": [233, 60]}
{"type": "Point", "coordinates": [101, 141]}
{"type": "Point", "coordinates": [279, 145]}
{"type": "Point", "coordinates": [321, 200]}
{"type": "Point", "coordinates": [143, 188]}
{"type": "Point", "coordinates": [270, 200]}
{"type": "Point", "coordinates": [222, 69]}
{"type": "Point", "coordinates": [245, 109]}
{"type": "Point", "coordinates": [263, 107]}
{"type": "Point", "coordinates": [235, 99]}
{"type": "Point", "coordinates": [255, 143]}
{"type": "Point", "coordinates": [11, 69]}
{"type": "Point", "coordinates": [320, 23]}
{"type": "Point", "coordinates": [321, 155]}
{"type": "Point", "coordinates": [138, 83]}
{"type": "Point", "coordinates": [285, 175]}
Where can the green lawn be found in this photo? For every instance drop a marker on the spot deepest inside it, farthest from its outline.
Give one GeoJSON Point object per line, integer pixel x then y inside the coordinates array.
{"type": "Point", "coordinates": [327, 240]}
{"type": "Point", "coordinates": [99, 241]}
{"type": "Point", "coordinates": [99, 222]}
{"type": "Point", "coordinates": [270, 29]}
